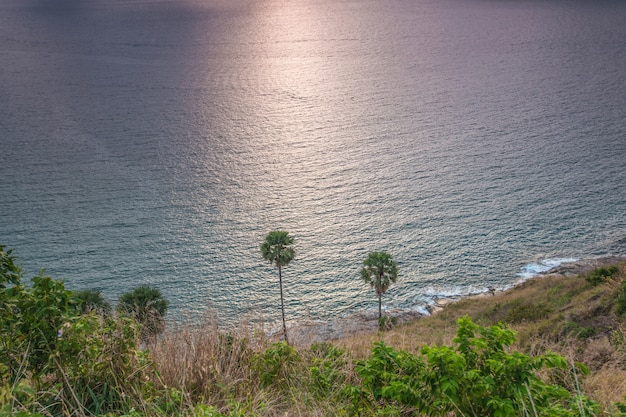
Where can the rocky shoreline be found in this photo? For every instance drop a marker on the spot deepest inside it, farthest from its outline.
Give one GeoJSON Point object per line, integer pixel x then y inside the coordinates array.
{"type": "Point", "coordinates": [306, 333]}
{"type": "Point", "coordinates": [583, 266]}
{"type": "Point", "coordinates": [309, 332]}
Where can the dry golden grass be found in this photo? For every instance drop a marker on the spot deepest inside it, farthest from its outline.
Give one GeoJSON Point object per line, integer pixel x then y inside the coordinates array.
{"type": "Point", "coordinates": [205, 362]}
{"type": "Point", "coordinates": [607, 386]}
{"type": "Point", "coordinates": [562, 314]}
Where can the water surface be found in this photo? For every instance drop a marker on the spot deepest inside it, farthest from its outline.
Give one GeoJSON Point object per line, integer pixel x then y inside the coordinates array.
{"type": "Point", "coordinates": [157, 142]}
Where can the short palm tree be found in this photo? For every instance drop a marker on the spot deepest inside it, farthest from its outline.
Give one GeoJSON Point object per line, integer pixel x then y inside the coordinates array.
{"type": "Point", "coordinates": [147, 305]}
{"type": "Point", "coordinates": [379, 270]}
{"type": "Point", "coordinates": [278, 251]}
{"type": "Point", "coordinates": [92, 300]}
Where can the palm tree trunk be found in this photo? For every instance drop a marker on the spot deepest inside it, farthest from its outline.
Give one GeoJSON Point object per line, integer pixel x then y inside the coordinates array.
{"type": "Point", "coordinates": [380, 307]}
{"type": "Point", "coordinates": [282, 305]}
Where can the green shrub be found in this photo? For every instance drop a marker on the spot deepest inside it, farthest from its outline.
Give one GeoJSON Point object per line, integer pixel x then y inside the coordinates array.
{"type": "Point", "coordinates": [274, 366]}
{"type": "Point", "coordinates": [57, 361]}
{"type": "Point", "coordinates": [387, 323]}
{"type": "Point", "coordinates": [10, 272]}
{"type": "Point", "coordinates": [327, 375]}
{"type": "Point", "coordinates": [620, 299]}
{"type": "Point", "coordinates": [92, 300]}
{"type": "Point", "coordinates": [602, 274]}
{"type": "Point", "coordinates": [98, 362]}
{"type": "Point", "coordinates": [478, 377]}
{"type": "Point", "coordinates": [528, 311]}
{"type": "Point", "coordinates": [32, 322]}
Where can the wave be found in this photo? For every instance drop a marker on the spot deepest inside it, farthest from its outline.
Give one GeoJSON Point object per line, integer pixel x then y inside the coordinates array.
{"type": "Point", "coordinates": [433, 296]}
{"type": "Point", "coordinates": [533, 269]}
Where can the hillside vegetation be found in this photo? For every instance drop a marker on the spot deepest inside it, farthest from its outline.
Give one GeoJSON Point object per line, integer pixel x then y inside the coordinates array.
{"type": "Point", "coordinates": [553, 346]}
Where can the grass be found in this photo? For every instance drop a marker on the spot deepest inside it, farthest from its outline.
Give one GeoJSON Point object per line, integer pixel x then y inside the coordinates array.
{"type": "Point", "coordinates": [563, 314]}
{"type": "Point", "coordinates": [567, 315]}
{"type": "Point", "coordinates": [200, 370]}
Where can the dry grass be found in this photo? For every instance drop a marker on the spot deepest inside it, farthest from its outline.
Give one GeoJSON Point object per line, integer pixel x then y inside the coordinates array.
{"type": "Point", "coordinates": [607, 386]}
{"type": "Point", "coordinates": [206, 363]}
{"type": "Point", "coordinates": [562, 314]}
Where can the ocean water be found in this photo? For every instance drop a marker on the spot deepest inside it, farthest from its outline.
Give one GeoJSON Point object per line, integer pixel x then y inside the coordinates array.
{"type": "Point", "coordinates": [157, 142]}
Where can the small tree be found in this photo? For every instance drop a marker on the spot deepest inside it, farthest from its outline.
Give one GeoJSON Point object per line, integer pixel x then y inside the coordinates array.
{"type": "Point", "coordinates": [278, 251]}
{"type": "Point", "coordinates": [148, 307]}
{"type": "Point", "coordinates": [379, 271]}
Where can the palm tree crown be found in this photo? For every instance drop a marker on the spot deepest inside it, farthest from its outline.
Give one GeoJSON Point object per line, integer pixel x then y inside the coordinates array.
{"type": "Point", "coordinates": [276, 248]}
{"type": "Point", "coordinates": [147, 305]}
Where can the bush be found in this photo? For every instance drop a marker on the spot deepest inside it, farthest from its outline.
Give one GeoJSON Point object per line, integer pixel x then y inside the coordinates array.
{"type": "Point", "coordinates": [477, 377]}
{"type": "Point", "coordinates": [32, 323]}
{"type": "Point", "coordinates": [275, 365]}
{"type": "Point", "coordinates": [57, 361]}
{"type": "Point", "coordinates": [528, 311]}
{"type": "Point", "coordinates": [10, 273]}
{"type": "Point", "coordinates": [602, 274]}
{"type": "Point", "coordinates": [620, 301]}
{"type": "Point", "coordinates": [327, 375]}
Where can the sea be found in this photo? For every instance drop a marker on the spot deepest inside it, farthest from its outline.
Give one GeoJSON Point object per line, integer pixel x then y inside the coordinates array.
{"type": "Point", "coordinates": [157, 142]}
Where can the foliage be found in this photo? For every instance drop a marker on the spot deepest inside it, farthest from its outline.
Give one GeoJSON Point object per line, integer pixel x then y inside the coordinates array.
{"type": "Point", "coordinates": [602, 274]}
{"type": "Point", "coordinates": [62, 358]}
{"type": "Point", "coordinates": [478, 377]}
{"type": "Point", "coordinates": [10, 273]}
{"type": "Point", "coordinates": [146, 305]}
{"type": "Point", "coordinates": [527, 311]}
{"type": "Point", "coordinates": [275, 364]}
{"type": "Point", "coordinates": [56, 360]}
{"type": "Point", "coordinates": [277, 250]}
{"type": "Point", "coordinates": [327, 373]}
{"type": "Point", "coordinates": [98, 362]}
{"type": "Point", "coordinates": [92, 300]}
{"type": "Point", "coordinates": [32, 324]}
{"type": "Point", "coordinates": [379, 271]}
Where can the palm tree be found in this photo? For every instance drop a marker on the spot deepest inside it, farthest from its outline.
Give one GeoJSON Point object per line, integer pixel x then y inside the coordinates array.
{"type": "Point", "coordinates": [278, 251]}
{"type": "Point", "coordinates": [379, 270]}
{"type": "Point", "coordinates": [92, 300]}
{"type": "Point", "coordinates": [147, 305]}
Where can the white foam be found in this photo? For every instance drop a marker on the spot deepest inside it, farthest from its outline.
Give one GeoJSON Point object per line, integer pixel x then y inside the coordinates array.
{"type": "Point", "coordinates": [454, 292]}
{"type": "Point", "coordinates": [530, 270]}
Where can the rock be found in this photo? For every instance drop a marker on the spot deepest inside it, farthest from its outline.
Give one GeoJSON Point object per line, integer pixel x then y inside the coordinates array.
{"type": "Point", "coordinates": [583, 266]}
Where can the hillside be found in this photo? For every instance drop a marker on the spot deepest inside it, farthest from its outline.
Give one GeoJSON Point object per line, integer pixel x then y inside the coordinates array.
{"type": "Point", "coordinates": [482, 355]}
{"type": "Point", "coordinates": [559, 311]}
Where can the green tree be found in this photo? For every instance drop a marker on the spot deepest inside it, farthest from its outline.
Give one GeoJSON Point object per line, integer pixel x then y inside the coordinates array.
{"type": "Point", "coordinates": [278, 251]}
{"type": "Point", "coordinates": [147, 305]}
{"type": "Point", "coordinates": [54, 361]}
{"type": "Point", "coordinates": [379, 271]}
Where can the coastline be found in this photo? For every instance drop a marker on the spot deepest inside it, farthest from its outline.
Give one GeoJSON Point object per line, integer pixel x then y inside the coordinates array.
{"type": "Point", "coordinates": [306, 333]}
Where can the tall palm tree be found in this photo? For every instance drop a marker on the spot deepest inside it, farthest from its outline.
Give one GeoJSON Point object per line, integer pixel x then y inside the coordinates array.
{"type": "Point", "coordinates": [379, 270]}
{"type": "Point", "coordinates": [278, 251]}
